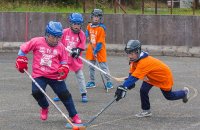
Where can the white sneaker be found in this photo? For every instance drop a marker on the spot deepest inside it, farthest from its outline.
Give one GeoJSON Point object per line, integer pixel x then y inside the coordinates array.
{"type": "Point", "coordinates": [187, 91]}
{"type": "Point", "coordinates": [144, 113]}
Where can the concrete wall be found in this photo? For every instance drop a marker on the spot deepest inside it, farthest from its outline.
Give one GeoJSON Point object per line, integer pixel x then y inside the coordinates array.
{"type": "Point", "coordinates": [150, 29]}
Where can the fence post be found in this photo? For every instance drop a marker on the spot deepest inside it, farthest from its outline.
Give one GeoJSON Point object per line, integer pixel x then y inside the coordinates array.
{"type": "Point", "coordinates": [142, 6]}
{"type": "Point", "coordinates": [171, 7]}
{"type": "Point", "coordinates": [115, 6]}
{"type": "Point", "coordinates": [84, 6]}
{"type": "Point", "coordinates": [156, 6]}
{"type": "Point", "coordinates": [193, 7]}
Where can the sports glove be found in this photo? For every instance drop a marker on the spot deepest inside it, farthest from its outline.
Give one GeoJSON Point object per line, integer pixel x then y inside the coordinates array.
{"type": "Point", "coordinates": [75, 52]}
{"type": "Point", "coordinates": [63, 71]}
{"type": "Point", "coordinates": [21, 63]}
{"type": "Point", "coordinates": [120, 92]}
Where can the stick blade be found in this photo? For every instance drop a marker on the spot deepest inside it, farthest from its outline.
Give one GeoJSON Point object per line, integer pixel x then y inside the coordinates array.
{"type": "Point", "coordinates": [80, 126]}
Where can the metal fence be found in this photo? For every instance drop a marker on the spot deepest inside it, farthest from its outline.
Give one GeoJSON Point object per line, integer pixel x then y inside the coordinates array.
{"type": "Point", "coordinates": [165, 7]}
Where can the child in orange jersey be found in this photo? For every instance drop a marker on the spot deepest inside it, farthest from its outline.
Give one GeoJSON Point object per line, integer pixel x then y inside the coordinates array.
{"type": "Point", "coordinates": [96, 50]}
{"type": "Point", "coordinates": [153, 72]}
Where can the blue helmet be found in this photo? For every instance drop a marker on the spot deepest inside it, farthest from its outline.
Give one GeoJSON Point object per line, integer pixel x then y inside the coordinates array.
{"type": "Point", "coordinates": [54, 29]}
{"type": "Point", "coordinates": [76, 18]}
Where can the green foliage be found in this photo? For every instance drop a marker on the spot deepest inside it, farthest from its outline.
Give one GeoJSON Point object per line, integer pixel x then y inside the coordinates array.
{"type": "Point", "coordinates": [69, 6]}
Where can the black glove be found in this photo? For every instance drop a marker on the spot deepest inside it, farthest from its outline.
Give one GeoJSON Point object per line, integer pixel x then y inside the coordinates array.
{"type": "Point", "coordinates": [75, 52]}
{"type": "Point", "coordinates": [120, 92]}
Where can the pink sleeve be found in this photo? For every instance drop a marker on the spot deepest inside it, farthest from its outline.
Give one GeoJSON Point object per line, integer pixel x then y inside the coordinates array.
{"type": "Point", "coordinates": [63, 38]}
{"type": "Point", "coordinates": [83, 40]}
{"type": "Point", "coordinates": [63, 56]}
{"type": "Point", "coordinates": [28, 46]}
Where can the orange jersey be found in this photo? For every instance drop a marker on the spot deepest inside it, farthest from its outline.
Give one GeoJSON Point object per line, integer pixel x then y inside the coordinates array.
{"type": "Point", "coordinates": [96, 35]}
{"type": "Point", "coordinates": [154, 72]}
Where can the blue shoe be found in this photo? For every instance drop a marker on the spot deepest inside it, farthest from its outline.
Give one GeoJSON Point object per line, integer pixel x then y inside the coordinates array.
{"type": "Point", "coordinates": [90, 85]}
{"type": "Point", "coordinates": [84, 99]}
{"type": "Point", "coordinates": [109, 85]}
{"type": "Point", "coordinates": [56, 99]}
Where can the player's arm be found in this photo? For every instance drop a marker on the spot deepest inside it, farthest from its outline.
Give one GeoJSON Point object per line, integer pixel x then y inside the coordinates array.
{"type": "Point", "coordinates": [81, 46]}
{"type": "Point", "coordinates": [22, 61]}
{"type": "Point", "coordinates": [100, 39]}
{"type": "Point", "coordinates": [97, 48]}
{"type": "Point", "coordinates": [63, 69]}
{"type": "Point", "coordinates": [129, 83]}
{"type": "Point", "coordinates": [76, 52]}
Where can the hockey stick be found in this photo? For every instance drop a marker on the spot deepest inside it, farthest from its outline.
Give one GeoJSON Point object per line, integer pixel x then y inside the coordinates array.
{"type": "Point", "coordinates": [86, 61]}
{"type": "Point", "coordinates": [99, 113]}
{"type": "Point", "coordinates": [102, 110]}
{"type": "Point", "coordinates": [68, 120]}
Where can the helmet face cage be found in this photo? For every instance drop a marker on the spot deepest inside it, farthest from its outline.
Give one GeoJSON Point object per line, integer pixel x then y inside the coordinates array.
{"type": "Point", "coordinates": [98, 13]}
{"type": "Point", "coordinates": [133, 46]}
{"type": "Point", "coordinates": [76, 19]}
{"type": "Point", "coordinates": [129, 50]}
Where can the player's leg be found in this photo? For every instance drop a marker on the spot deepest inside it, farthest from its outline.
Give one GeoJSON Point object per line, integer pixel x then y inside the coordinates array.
{"type": "Point", "coordinates": [176, 95]}
{"type": "Point", "coordinates": [104, 67]}
{"type": "Point", "coordinates": [91, 83]}
{"type": "Point", "coordinates": [40, 97]}
{"type": "Point", "coordinates": [81, 83]}
{"type": "Point", "coordinates": [144, 96]}
{"type": "Point", "coordinates": [60, 88]}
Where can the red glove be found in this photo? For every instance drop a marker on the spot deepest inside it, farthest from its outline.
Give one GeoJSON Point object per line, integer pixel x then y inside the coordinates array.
{"type": "Point", "coordinates": [63, 71]}
{"type": "Point", "coordinates": [22, 63]}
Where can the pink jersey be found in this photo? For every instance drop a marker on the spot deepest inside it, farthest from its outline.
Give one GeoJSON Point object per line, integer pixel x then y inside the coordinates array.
{"type": "Point", "coordinates": [72, 40]}
{"type": "Point", "coordinates": [46, 59]}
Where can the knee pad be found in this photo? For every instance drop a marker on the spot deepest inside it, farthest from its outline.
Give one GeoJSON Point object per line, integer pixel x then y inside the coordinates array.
{"type": "Point", "coordinates": [64, 95]}
{"type": "Point", "coordinates": [37, 95]}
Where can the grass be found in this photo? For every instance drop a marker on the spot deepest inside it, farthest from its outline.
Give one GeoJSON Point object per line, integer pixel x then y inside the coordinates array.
{"type": "Point", "coordinates": [149, 9]}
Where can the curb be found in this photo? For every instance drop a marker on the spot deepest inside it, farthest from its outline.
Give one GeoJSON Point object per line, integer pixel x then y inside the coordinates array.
{"type": "Point", "coordinates": [118, 49]}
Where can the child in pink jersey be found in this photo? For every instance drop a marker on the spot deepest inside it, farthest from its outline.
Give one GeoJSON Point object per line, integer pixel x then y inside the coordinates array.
{"type": "Point", "coordinates": [49, 68]}
{"type": "Point", "coordinates": [74, 39]}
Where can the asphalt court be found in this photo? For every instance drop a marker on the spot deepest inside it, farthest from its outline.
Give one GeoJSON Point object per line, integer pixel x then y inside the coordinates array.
{"type": "Point", "coordinates": [19, 111]}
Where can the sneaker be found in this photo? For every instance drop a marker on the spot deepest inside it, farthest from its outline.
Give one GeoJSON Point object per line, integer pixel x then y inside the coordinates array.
{"type": "Point", "coordinates": [84, 99]}
{"type": "Point", "coordinates": [56, 99]}
{"type": "Point", "coordinates": [109, 85]}
{"type": "Point", "coordinates": [144, 113]}
{"type": "Point", "coordinates": [44, 113]}
{"type": "Point", "coordinates": [90, 85]}
{"type": "Point", "coordinates": [185, 99]}
{"type": "Point", "coordinates": [76, 119]}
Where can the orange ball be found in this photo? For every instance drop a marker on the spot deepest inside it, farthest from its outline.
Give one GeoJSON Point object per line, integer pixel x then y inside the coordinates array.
{"type": "Point", "coordinates": [75, 128]}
